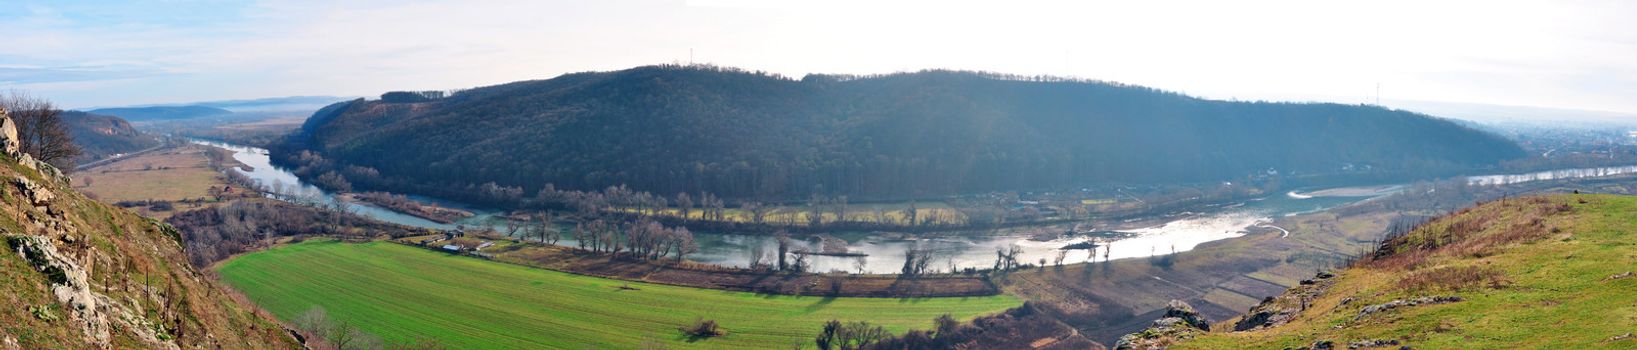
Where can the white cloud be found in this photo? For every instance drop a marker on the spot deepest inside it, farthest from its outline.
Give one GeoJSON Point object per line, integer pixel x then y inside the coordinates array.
{"type": "Point", "coordinates": [1558, 54]}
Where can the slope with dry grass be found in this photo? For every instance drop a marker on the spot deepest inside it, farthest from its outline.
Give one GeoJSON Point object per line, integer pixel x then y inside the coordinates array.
{"type": "Point", "coordinates": [78, 274]}
{"type": "Point", "coordinates": [1533, 272]}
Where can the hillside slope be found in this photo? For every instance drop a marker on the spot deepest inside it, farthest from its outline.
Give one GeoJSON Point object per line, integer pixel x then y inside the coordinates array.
{"type": "Point", "coordinates": [738, 134]}
{"type": "Point", "coordinates": [1534, 272]}
{"type": "Point", "coordinates": [77, 274]}
{"type": "Point", "coordinates": [101, 136]}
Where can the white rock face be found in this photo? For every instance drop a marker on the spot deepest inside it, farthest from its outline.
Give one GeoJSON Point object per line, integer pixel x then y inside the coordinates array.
{"type": "Point", "coordinates": [69, 283]}
{"type": "Point", "coordinates": [8, 130]}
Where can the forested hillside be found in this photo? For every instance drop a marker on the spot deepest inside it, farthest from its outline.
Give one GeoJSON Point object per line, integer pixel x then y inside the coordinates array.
{"type": "Point", "coordinates": [737, 134]}
{"type": "Point", "coordinates": [101, 136]}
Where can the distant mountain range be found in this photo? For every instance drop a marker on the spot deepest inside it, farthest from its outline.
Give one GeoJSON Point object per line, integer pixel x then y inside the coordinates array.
{"type": "Point", "coordinates": [739, 134]}
{"type": "Point", "coordinates": [142, 114]}
{"type": "Point", "coordinates": [251, 108]}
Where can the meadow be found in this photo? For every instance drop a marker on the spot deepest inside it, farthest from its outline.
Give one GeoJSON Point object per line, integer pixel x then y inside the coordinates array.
{"type": "Point", "coordinates": [170, 174]}
{"type": "Point", "coordinates": [403, 293]}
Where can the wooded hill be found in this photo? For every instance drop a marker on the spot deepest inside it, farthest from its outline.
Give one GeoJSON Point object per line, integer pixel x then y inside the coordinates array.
{"type": "Point", "coordinates": [100, 136]}
{"type": "Point", "coordinates": [743, 135]}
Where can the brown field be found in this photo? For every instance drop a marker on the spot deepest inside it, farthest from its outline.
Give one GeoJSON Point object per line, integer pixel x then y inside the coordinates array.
{"type": "Point", "coordinates": [1221, 279]}
{"type": "Point", "coordinates": [171, 174]}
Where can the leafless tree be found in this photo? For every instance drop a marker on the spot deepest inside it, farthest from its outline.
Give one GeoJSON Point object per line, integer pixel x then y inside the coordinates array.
{"type": "Point", "coordinates": [758, 251]}
{"type": "Point", "coordinates": [784, 247]}
{"type": "Point", "coordinates": [40, 129]}
{"type": "Point", "coordinates": [683, 242]}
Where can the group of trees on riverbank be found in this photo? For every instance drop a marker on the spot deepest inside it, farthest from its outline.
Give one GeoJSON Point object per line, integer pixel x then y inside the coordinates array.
{"type": "Point", "coordinates": [645, 239]}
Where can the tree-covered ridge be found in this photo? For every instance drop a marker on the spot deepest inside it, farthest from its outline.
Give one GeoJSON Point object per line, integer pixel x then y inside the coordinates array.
{"type": "Point", "coordinates": [739, 134]}
{"type": "Point", "coordinates": [101, 136]}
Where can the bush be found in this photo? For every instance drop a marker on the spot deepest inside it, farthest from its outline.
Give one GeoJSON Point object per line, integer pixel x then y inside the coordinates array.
{"type": "Point", "coordinates": [702, 328]}
{"type": "Point", "coordinates": [161, 206]}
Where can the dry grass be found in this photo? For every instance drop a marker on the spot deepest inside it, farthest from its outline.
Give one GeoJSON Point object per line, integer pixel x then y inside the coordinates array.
{"type": "Point", "coordinates": [1522, 286]}
{"type": "Point", "coordinates": [171, 174]}
{"type": "Point", "coordinates": [1471, 233]}
{"type": "Point", "coordinates": [1453, 278]}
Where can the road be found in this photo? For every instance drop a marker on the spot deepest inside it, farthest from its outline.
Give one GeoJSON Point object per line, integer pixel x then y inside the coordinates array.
{"type": "Point", "coordinates": [113, 159]}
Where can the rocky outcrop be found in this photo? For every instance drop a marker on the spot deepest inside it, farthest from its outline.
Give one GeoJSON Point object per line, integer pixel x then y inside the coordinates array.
{"type": "Point", "coordinates": [1280, 309]}
{"type": "Point", "coordinates": [8, 130]}
{"type": "Point", "coordinates": [1179, 322]}
{"type": "Point", "coordinates": [1432, 300]}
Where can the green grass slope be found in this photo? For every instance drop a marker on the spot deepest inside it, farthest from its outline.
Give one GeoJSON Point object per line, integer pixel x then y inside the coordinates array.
{"type": "Point", "coordinates": [400, 293]}
{"type": "Point", "coordinates": [1536, 272]}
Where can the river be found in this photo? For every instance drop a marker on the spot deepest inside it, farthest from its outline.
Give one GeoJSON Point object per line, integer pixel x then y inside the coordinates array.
{"type": "Point", "coordinates": [886, 251]}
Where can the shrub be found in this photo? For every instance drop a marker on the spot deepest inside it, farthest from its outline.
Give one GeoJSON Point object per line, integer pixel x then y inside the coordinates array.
{"type": "Point", "coordinates": [702, 328]}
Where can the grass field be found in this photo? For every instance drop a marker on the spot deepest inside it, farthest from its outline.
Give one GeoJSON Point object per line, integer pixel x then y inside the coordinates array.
{"type": "Point", "coordinates": [400, 292]}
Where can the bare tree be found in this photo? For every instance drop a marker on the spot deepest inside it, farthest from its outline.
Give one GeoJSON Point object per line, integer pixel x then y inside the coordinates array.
{"type": "Point", "coordinates": [684, 203]}
{"type": "Point", "coordinates": [40, 129]}
{"type": "Point", "coordinates": [511, 227]}
{"type": "Point", "coordinates": [683, 242]}
{"type": "Point", "coordinates": [784, 247]}
{"type": "Point", "coordinates": [758, 251]}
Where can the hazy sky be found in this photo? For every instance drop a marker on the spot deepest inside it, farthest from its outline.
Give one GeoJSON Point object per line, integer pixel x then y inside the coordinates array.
{"type": "Point", "coordinates": [1566, 54]}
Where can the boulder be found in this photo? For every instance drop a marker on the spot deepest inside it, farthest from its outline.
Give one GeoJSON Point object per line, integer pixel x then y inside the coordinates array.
{"type": "Point", "coordinates": [1179, 322]}
{"type": "Point", "coordinates": [1181, 310]}
{"type": "Point", "coordinates": [8, 135]}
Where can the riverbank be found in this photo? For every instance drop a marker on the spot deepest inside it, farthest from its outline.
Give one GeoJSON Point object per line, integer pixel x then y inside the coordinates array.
{"type": "Point", "coordinates": [693, 274]}
{"type": "Point", "coordinates": [402, 204]}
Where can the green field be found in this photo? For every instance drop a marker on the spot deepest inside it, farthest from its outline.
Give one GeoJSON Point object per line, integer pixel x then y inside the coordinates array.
{"type": "Point", "coordinates": [399, 293]}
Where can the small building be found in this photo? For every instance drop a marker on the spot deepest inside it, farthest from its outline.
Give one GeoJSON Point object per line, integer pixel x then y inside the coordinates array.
{"type": "Point", "coordinates": [451, 247]}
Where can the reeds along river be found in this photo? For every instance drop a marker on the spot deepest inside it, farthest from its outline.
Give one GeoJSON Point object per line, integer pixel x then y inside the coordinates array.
{"type": "Point", "coordinates": [885, 252]}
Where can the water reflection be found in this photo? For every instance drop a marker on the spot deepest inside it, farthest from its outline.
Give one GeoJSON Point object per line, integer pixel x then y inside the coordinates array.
{"type": "Point", "coordinates": [886, 250]}
{"type": "Point", "coordinates": [1509, 179]}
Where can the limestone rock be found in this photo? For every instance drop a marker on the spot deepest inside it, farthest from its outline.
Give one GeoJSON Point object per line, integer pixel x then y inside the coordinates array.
{"type": "Point", "coordinates": [1432, 300]}
{"type": "Point", "coordinates": [8, 135]}
{"type": "Point", "coordinates": [37, 195]}
{"type": "Point", "coordinates": [69, 283]}
{"type": "Point", "coordinates": [1179, 322]}
{"type": "Point", "coordinates": [1278, 310]}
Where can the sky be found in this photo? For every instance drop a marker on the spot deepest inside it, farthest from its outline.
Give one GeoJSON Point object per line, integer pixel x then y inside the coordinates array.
{"type": "Point", "coordinates": [1558, 54]}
